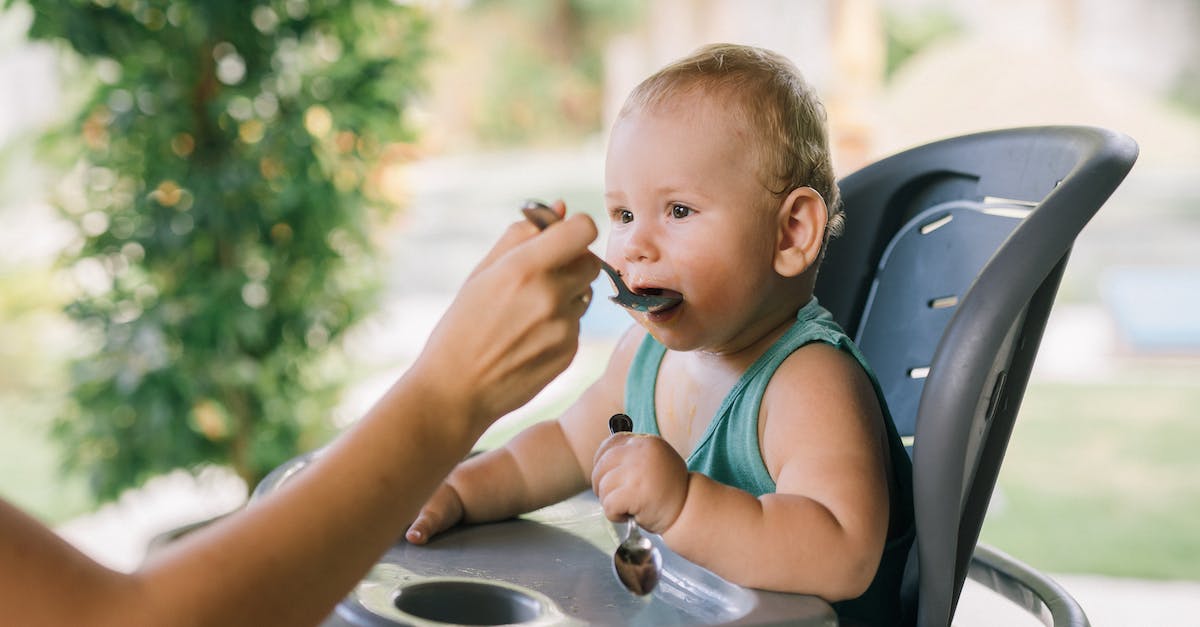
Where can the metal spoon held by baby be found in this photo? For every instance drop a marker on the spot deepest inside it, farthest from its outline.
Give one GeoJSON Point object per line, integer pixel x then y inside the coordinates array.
{"type": "Point", "coordinates": [636, 562]}
{"type": "Point", "coordinates": [543, 216]}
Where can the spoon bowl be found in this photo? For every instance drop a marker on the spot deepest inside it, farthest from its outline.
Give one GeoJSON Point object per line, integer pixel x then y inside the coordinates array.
{"type": "Point", "coordinates": [636, 562]}
{"type": "Point", "coordinates": [543, 216]}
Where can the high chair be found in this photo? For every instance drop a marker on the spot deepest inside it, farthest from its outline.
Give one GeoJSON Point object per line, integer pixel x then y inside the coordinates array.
{"type": "Point", "coordinates": [945, 275]}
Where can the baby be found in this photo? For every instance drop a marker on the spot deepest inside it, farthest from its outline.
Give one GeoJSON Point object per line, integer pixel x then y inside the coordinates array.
{"type": "Point", "coordinates": [755, 416]}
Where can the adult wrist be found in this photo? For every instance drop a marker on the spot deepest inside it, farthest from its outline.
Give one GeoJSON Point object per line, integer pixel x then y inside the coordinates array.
{"type": "Point", "coordinates": [441, 405]}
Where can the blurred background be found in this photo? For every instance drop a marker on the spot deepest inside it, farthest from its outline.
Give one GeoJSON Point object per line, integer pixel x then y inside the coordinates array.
{"type": "Point", "coordinates": [228, 226]}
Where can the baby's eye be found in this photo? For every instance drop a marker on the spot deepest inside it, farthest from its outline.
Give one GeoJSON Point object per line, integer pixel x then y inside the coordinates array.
{"type": "Point", "coordinates": [624, 216]}
{"type": "Point", "coordinates": [680, 212]}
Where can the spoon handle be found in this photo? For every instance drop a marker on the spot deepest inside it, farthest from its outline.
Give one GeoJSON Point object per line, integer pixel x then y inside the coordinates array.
{"type": "Point", "coordinates": [616, 424]}
{"type": "Point", "coordinates": [636, 562]}
{"type": "Point", "coordinates": [539, 214]}
{"type": "Point", "coordinates": [542, 216]}
{"type": "Point", "coordinates": [620, 422]}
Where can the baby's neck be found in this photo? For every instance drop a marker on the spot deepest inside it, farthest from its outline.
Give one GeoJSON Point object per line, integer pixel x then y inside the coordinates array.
{"type": "Point", "coordinates": [758, 338]}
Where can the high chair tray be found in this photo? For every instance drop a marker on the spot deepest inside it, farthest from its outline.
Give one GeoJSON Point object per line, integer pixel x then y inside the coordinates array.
{"type": "Point", "coordinates": [549, 567]}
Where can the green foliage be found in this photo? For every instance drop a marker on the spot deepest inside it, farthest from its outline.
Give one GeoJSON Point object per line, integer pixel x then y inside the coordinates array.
{"type": "Point", "coordinates": [1186, 89]}
{"type": "Point", "coordinates": [907, 33]}
{"type": "Point", "coordinates": [547, 81]}
{"type": "Point", "coordinates": [224, 162]}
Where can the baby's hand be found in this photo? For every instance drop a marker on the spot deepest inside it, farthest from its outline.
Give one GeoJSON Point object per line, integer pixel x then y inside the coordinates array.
{"type": "Point", "coordinates": [443, 510]}
{"type": "Point", "coordinates": [640, 476]}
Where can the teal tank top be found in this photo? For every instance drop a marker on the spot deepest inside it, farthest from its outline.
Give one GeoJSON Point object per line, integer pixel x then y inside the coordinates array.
{"type": "Point", "coordinates": [729, 450]}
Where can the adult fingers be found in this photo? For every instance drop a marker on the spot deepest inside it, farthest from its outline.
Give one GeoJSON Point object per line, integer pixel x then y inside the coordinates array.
{"type": "Point", "coordinates": [578, 305]}
{"type": "Point", "coordinates": [515, 234]}
{"type": "Point", "coordinates": [515, 324]}
{"type": "Point", "coordinates": [560, 244]}
{"type": "Point", "coordinates": [577, 275]}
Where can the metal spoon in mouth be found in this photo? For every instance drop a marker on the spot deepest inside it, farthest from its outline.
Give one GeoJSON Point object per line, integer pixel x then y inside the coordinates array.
{"type": "Point", "coordinates": [543, 216]}
{"type": "Point", "coordinates": [636, 562]}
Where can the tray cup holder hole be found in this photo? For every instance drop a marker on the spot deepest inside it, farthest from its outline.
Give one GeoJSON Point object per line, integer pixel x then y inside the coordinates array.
{"type": "Point", "coordinates": [468, 603]}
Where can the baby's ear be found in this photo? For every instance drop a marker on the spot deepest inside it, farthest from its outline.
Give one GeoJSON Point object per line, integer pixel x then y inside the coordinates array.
{"type": "Point", "coordinates": [802, 217]}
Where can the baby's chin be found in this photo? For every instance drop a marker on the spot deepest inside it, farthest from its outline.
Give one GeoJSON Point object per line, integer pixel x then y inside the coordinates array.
{"type": "Point", "coordinates": [670, 338]}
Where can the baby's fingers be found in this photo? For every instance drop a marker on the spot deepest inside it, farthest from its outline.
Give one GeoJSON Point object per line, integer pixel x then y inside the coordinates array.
{"type": "Point", "coordinates": [427, 525]}
{"type": "Point", "coordinates": [618, 491]}
{"type": "Point", "coordinates": [443, 511]}
{"type": "Point", "coordinates": [603, 462]}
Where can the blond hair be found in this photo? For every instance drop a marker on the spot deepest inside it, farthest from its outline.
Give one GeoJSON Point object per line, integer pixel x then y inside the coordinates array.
{"type": "Point", "coordinates": [778, 104]}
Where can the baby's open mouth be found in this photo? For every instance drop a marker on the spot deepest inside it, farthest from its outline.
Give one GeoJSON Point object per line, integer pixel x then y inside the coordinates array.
{"type": "Point", "coordinates": [658, 291]}
{"type": "Point", "coordinates": [670, 298]}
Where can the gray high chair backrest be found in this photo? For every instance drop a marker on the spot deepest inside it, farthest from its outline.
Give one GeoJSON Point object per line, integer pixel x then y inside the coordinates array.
{"type": "Point", "coordinates": [946, 273]}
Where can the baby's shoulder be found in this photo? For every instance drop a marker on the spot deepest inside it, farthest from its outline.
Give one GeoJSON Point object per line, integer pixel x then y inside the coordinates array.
{"type": "Point", "coordinates": [814, 375]}
{"type": "Point", "coordinates": [819, 398]}
{"type": "Point", "coordinates": [622, 356]}
{"type": "Point", "coordinates": [627, 347]}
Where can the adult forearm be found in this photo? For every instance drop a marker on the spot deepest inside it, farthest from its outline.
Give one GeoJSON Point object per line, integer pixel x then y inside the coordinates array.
{"type": "Point", "coordinates": [286, 560]}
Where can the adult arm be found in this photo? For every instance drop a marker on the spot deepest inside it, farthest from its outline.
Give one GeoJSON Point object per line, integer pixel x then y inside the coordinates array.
{"type": "Point", "coordinates": [288, 559]}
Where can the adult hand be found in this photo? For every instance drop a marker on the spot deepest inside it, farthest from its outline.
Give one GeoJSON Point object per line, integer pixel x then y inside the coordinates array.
{"type": "Point", "coordinates": [514, 325]}
{"type": "Point", "coordinates": [641, 476]}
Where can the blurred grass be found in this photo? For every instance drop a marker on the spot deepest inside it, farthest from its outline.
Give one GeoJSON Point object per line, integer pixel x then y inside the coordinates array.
{"type": "Point", "coordinates": [1104, 478]}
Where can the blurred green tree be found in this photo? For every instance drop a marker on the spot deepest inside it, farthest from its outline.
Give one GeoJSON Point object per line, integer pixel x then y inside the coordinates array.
{"type": "Point", "coordinates": [226, 162]}
{"type": "Point", "coordinates": [1186, 88]}
{"type": "Point", "coordinates": [908, 32]}
{"type": "Point", "coordinates": [547, 80]}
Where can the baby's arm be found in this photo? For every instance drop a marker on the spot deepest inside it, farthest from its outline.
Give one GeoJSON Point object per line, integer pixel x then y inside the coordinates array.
{"type": "Point", "coordinates": [544, 464]}
{"type": "Point", "coordinates": [823, 530]}
{"type": "Point", "coordinates": [497, 485]}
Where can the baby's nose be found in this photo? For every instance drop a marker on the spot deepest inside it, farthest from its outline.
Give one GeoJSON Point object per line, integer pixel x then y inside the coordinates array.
{"type": "Point", "coordinates": [640, 243]}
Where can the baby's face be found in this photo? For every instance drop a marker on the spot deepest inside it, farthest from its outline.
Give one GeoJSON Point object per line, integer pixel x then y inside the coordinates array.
{"type": "Point", "coordinates": [689, 215]}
